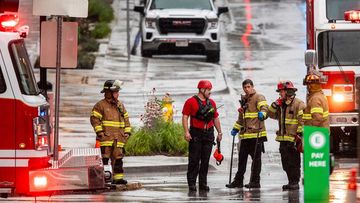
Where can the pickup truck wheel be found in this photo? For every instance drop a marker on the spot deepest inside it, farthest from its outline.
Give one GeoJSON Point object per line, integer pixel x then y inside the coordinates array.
{"type": "Point", "coordinates": [213, 57]}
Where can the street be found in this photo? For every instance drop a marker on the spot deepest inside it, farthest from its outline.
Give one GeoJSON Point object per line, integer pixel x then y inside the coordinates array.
{"type": "Point", "coordinates": [261, 40]}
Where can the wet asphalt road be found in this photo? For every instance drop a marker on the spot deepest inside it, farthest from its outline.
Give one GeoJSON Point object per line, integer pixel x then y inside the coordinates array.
{"type": "Point", "coordinates": [262, 40]}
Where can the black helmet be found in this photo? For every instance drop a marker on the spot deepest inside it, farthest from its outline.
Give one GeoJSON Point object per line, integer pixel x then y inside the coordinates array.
{"type": "Point", "coordinates": [112, 85]}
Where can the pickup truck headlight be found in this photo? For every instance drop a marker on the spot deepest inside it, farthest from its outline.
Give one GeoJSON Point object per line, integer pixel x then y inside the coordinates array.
{"type": "Point", "coordinates": [213, 23]}
{"type": "Point", "coordinates": [150, 22]}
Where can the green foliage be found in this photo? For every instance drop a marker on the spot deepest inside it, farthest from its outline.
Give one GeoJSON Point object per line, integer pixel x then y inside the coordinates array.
{"type": "Point", "coordinates": [101, 30]}
{"type": "Point", "coordinates": [100, 10]}
{"type": "Point", "coordinates": [164, 138]}
{"type": "Point", "coordinates": [89, 45]}
{"type": "Point", "coordinates": [86, 60]}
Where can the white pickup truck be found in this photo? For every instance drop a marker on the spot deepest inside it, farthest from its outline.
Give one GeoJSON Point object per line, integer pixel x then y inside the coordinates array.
{"type": "Point", "coordinates": [180, 27]}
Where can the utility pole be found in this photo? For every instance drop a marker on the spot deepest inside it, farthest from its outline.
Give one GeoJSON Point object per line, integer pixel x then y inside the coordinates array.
{"type": "Point", "coordinates": [128, 29]}
{"type": "Point", "coordinates": [57, 91]}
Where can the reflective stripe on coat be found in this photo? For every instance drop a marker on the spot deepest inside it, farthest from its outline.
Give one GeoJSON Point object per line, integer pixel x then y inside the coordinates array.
{"type": "Point", "coordinates": [248, 123]}
{"type": "Point", "coordinates": [316, 112]}
{"type": "Point", "coordinates": [112, 120]}
{"type": "Point", "coordinates": [292, 123]}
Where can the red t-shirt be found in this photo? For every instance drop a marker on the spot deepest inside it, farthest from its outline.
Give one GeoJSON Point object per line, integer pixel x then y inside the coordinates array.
{"type": "Point", "coordinates": [190, 108]}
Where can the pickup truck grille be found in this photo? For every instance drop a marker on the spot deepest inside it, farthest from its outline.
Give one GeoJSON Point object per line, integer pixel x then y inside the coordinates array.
{"type": "Point", "coordinates": [181, 25]}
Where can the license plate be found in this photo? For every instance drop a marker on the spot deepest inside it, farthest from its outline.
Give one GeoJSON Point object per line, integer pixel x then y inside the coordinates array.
{"type": "Point", "coordinates": [182, 43]}
{"type": "Point", "coordinates": [341, 120]}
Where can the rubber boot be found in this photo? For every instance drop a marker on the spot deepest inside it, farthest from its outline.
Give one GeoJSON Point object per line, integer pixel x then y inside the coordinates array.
{"type": "Point", "coordinates": [235, 184]}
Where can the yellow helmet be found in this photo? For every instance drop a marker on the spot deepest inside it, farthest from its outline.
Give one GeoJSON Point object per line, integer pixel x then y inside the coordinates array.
{"type": "Point", "coordinates": [314, 77]}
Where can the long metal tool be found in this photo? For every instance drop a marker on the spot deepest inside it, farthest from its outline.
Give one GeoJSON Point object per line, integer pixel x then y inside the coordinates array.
{"type": "Point", "coordinates": [253, 160]}
{"type": "Point", "coordinates": [231, 160]}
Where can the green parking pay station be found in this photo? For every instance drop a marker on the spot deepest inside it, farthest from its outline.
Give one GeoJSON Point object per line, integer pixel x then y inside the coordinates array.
{"type": "Point", "coordinates": [316, 164]}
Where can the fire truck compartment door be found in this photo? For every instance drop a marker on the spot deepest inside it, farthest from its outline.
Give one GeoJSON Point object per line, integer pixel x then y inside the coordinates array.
{"type": "Point", "coordinates": [7, 128]}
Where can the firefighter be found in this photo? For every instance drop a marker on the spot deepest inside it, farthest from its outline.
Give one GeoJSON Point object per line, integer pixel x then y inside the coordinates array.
{"type": "Point", "coordinates": [203, 117]}
{"type": "Point", "coordinates": [316, 112]}
{"type": "Point", "coordinates": [251, 127]}
{"type": "Point", "coordinates": [288, 110]}
{"type": "Point", "coordinates": [110, 121]}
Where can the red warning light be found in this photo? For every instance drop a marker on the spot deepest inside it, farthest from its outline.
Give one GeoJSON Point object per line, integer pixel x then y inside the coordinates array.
{"type": "Point", "coordinates": [353, 16]}
{"type": "Point", "coordinates": [8, 22]}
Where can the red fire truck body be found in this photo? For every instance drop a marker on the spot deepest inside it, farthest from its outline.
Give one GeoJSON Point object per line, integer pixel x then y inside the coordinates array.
{"type": "Point", "coordinates": [26, 155]}
{"type": "Point", "coordinates": [333, 31]}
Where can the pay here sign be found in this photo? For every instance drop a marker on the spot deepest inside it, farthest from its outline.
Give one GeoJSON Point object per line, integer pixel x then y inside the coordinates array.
{"type": "Point", "coordinates": [316, 163]}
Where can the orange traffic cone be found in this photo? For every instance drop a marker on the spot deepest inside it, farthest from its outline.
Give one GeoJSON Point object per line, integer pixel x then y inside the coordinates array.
{"type": "Point", "coordinates": [352, 185]}
{"type": "Point", "coordinates": [97, 144]}
{"type": "Point", "coordinates": [59, 148]}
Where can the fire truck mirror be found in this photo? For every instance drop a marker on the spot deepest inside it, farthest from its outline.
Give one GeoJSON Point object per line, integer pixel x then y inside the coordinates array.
{"type": "Point", "coordinates": [310, 57]}
{"type": "Point", "coordinates": [49, 86]}
{"type": "Point", "coordinates": [9, 6]}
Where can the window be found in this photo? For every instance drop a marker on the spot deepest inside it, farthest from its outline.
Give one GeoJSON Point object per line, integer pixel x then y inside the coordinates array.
{"type": "Point", "coordinates": [339, 48]}
{"type": "Point", "coordinates": [181, 4]}
{"type": "Point", "coordinates": [2, 83]}
{"type": "Point", "coordinates": [335, 8]}
{"type": "Point", "coordinates": [23, 69]}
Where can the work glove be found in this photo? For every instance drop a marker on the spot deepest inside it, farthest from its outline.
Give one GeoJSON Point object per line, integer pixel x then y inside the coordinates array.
{"type": "Point", "coordinates": [261, 116]}
{"type": "Point", "coordinates": [299, 143]}
{"type": "Point", "coordinates": [234, 132]}
{"type": "Point", "coordinates": [127, 135]}
{"type": "Point", "coordinates": [278, 103]}
{"type": "Point", "coordinates": [99, 136]}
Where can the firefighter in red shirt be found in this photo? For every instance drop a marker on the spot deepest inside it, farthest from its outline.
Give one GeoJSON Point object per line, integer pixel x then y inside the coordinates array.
{"type": "Point", "coordinates": [203, 117]}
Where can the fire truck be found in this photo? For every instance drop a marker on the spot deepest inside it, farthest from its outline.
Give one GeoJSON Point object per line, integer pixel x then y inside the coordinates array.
{"type": "Point", "coordinates": [27, 166]}
{"type": "Point", "coordinates": [333, 36]}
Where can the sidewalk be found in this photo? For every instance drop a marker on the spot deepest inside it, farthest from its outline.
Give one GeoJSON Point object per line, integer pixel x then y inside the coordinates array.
{"type": "Point", "coordinates": [80, 89]}
{"type": "Point", "coordinates": [154, 164]}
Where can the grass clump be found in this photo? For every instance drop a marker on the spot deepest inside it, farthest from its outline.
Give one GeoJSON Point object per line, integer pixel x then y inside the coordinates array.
{"type": "Point", "coordinates": [156, 136]}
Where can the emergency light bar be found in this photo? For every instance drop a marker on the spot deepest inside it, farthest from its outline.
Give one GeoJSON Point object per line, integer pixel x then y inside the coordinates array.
{"type": "Point", "coordinates": [8, 22]}
{"type": "Point", "coordinates": [353, 16]}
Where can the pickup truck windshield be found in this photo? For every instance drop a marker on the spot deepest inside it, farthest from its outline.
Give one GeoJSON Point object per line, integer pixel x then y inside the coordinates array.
{"type": "Point", "coordinates": [341, 46]}
{"type": "Point", "coordinates": [185, 4]}
{"type": "Point", "coordinates": [23, 69]}
{"type": "Point", "coordinates": [335, 8]}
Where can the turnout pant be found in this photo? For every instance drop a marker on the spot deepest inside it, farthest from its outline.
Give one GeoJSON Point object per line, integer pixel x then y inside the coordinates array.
{"type": "Point", "coordinates": [247, 147]}
{"type": "Point", "coordinates": [290, 160]}
{"type": "Point", "coordinates": [200, 147]}
{"type": "Point", "coordinates": [116, 155]}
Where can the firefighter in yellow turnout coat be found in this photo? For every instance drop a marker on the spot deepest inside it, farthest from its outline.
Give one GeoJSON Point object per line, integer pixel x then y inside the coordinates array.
{"type": "Point", "coordinates": [251, 128]}
{"type": "Point", "coordinates": [110, 121]}
{"type": "Point", "coordinates": [316, 112]}
{"type": "Point", "coordinates": [288, 110]}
